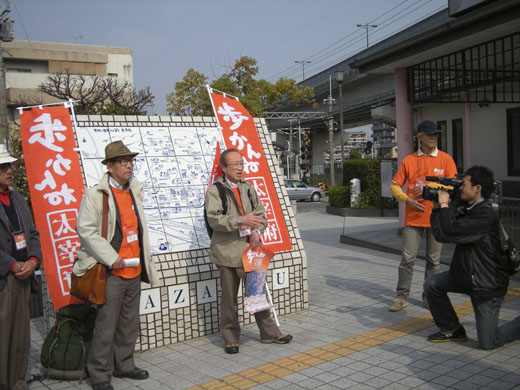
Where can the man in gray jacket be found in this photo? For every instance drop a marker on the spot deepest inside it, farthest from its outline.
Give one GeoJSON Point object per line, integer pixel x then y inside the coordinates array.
{"type": "Point", "coordinates": [233, 232]}
{"type": "Point", "coordinates": [117, 322]}
{"type": "Point", "coordinates": [20, 256]}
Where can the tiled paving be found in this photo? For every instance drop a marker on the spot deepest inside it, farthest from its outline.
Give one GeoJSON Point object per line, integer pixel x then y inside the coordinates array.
{"type": "Point", "coordinates": [346, 340]}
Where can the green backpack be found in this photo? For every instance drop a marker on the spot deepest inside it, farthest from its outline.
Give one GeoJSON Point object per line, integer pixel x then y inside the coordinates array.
{"type": "Point", "coordinates": [66, 347]}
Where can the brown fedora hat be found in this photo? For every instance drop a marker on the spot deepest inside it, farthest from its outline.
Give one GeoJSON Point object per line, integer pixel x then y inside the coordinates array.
{"type": "Point", "coordinates": [117, 149]}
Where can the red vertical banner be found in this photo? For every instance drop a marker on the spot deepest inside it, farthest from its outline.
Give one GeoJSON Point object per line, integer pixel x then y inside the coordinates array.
{"type": "Point", "coordinates": [56, 186]}
{"type": "Point", "coordinates": [239, 132]}
{"type": "Point", "coordinates": [216, 170]}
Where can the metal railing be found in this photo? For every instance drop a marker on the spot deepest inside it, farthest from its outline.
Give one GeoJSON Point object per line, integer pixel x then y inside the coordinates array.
{"type": "Point", "coordinates": [509, 213]}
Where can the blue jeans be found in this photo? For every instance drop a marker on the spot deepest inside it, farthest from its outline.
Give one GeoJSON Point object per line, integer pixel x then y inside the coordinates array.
{"type": "Point", "coordinates": [490, 336]}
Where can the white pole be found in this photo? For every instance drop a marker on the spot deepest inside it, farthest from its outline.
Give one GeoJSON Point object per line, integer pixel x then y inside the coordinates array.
{"type": "Point", "coordinates": [272, 306]}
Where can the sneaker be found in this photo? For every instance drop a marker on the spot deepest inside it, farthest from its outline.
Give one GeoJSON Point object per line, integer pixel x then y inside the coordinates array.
{"type": "Point", "coordinates": [399, 304]}
{"type": "Point", "coordinates": [440, 337]}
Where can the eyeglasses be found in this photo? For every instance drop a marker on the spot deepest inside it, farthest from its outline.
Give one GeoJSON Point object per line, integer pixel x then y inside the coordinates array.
{"type": "Point", "coordinates": [4, 167]}
{"type": "Point", "coordinates": [235, 165]}
{"type": "Point", "coordinates": [125, 162]}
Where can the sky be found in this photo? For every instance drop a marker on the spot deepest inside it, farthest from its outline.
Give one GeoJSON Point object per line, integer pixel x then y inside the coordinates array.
{"type": "Point", "coordinates": [167, 37]}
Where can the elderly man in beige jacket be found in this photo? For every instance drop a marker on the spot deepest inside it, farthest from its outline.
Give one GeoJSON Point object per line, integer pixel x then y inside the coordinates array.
{"type": "Point", "coordinates": [233, 231]}
{"type": "Point", "coordinates": [117, 322]}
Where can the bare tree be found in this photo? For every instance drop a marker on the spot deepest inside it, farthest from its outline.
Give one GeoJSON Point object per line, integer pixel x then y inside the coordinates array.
{"type": "Point", "coordinates": [97, 95]}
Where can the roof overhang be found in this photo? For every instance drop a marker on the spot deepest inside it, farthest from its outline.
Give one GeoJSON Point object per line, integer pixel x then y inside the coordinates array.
{"type": "Point", "coordinates": [487, 23]}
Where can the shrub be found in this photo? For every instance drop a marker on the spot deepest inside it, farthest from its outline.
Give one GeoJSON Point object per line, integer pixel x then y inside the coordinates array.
{"type": "Point", "coordinates": [369, 173]}
{"type": "Point", "coordinates": [339, 196]}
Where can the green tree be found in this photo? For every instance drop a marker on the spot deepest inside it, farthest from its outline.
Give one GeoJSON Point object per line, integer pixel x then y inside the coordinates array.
{"type": "Point", "coordinates": [355, 154]}
{"type": "Point", "coordinates": [190, 96]}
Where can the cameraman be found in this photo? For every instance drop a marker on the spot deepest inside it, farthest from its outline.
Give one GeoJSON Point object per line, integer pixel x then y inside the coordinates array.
{"type": "Point", "coordinates": [477, 267]}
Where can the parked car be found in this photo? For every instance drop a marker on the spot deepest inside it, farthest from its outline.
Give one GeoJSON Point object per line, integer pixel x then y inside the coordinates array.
{"type": "Point", "coordinates": [298, 190]}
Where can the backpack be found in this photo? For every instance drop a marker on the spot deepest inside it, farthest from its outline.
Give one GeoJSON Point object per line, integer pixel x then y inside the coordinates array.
{"type": "Point", "coordinates": [66, 346]}
{"type": "Point", "coordinates": [510, 251]}
{"type": "Point", "coordinates": [223, 198]}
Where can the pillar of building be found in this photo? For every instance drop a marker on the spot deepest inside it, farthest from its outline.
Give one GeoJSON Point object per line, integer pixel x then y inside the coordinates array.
{"type": "Point", "coordinates": [467, 136]}
{"type": "Point", "coordinates": [404, 121]}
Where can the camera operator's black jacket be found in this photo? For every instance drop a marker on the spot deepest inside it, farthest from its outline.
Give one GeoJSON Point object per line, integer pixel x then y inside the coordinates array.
{"type": "Point", "coordinates": [477, 265]}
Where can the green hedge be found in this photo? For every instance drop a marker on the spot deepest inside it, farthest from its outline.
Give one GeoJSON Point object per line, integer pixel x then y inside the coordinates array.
{"type": "Point", "coordinates": [339, 196]}
{"type": "Point", "coordinates": [369, 173]}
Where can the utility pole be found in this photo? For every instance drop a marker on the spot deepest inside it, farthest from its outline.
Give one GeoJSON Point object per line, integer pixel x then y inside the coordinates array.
{"type": "Point", "coordinates": [297, 157]}
{"type": "Point", "coordinates": [302, 63]}
{"type": "Point", "coordinates": [339, 79]}
{"type": "Point", "coordinates": [6, 35]}
{"type": "Point", "coordinates": [367, 26]}
{"type": "Point", "coordinates": [330, 101]}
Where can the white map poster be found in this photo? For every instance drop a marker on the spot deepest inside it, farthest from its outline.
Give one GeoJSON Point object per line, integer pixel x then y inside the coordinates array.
{"type": "Point", "coordinates": [173, 164]}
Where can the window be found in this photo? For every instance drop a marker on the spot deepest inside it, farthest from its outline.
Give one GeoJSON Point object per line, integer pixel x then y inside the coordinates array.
{"type": "Point", "coordinates": [458, 144]}
{"type": "Point", "coordinates": [112, 75]}
{"type": "Point", "coordinates": [299, 184]}
{"type": "Point", "coordinates": [442, 143]}
{"type": "Point", "coordinates": [513, 141]}
{"type": "Point", "coordinates": [18, 70]}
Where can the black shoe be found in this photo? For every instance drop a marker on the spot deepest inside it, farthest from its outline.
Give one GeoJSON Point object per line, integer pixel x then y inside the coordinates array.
{"type": "Point", "coordinates": [281, 340]}
{"type": "Point", "coordinates": [231, 349]}
{"type": "Point", "coordinates": [136, 374]}
{"type": "Point", "coordinates": [440, 337]}
{"type": "Point", "coordinates": [102, 386]}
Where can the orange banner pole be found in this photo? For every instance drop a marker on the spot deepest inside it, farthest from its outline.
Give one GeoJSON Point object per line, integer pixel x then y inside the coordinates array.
{"type": "Point", "coordinates": [56, 187]}
{"type": "Point", "coordinates": [239, 132]}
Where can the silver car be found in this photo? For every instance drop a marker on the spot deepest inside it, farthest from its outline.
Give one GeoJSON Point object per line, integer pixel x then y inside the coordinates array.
{"type": "Point", "coordinates": [298, 190]}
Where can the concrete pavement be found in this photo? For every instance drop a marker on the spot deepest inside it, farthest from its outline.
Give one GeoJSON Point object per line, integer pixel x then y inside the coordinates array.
{"type": "Point", "coordinates": [347, 338]}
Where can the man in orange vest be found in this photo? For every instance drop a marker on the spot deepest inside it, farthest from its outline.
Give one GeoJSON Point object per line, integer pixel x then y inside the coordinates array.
{"type": "Point", "coordinates": [427, 161]}
{"type": "Point", "coordinates": [126, 251]}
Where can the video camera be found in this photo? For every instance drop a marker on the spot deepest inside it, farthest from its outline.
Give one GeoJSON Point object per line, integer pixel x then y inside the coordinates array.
{"type": "Point", "coordinates": [450, 185]}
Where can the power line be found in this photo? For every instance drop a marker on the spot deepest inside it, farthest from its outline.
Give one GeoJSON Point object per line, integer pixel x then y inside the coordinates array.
{"type": "Point", "coordinates": [334, 43]}
{"type": "Point", "coordinates": [355, 37]}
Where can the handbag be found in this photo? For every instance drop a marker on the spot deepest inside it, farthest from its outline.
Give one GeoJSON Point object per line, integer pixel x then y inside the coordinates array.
{"type": "Point", "coordinates": [90, 286]}
{"type": "Point", "coordinates": [510, 251]}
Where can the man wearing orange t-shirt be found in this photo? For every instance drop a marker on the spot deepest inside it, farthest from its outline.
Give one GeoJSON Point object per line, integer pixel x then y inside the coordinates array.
{"type": "Point", "coordinates": [427, 161]}
{"type": "Point", "coordinates": [126, 251]}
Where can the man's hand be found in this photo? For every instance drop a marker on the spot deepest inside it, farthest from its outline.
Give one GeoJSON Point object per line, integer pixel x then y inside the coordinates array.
{"type": "Point", "coordinates": [255, 240]}
{"type": "Point", "coordinates": [444, 198]}
{"type": "Point", "coordinates": [26, 269]}
{"type": "Point", "coordinates": [252, 220]}
{"type": "Point", "coordinates": [417, 191]}
{"type": "Point", "coordinates": [119, 263]}
{"type": "Point", "coordinates": [415, 204]}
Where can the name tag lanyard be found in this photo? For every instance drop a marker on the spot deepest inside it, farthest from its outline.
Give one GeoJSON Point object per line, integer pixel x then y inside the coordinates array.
{"type": "Point", "coordinates": [18, 235]}
{"type": "Point", "coordinates": [243, 231]}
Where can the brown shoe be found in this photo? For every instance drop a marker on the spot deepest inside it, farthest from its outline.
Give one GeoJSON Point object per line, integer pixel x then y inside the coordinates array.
{"type": "Point", "coordinates": [135, 374]}
{"type": "Point", "coordinates": [231, 348]}
{"type": "Point", "coordinates": [280, 340]}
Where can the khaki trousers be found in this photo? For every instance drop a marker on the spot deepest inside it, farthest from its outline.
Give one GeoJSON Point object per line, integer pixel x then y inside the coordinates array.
{"type": "Point", "coordinates": [116, 329]}
{"type": "Point", "coordinates": [15, 333]}
{"type": "Point", "coordinates": [229, 326]}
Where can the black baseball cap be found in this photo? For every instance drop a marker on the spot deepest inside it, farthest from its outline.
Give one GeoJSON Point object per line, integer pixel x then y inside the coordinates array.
{"type": "Point", "coordinates": [427, 127]}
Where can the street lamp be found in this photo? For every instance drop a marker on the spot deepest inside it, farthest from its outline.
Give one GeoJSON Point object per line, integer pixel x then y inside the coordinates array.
{"type": "Point", "coordinates": [330, 101]}
{"type": "Point", "coordinates": [367, 26]}
{"type": "Point", "coordinates": [339, 79]}
{"type": "Point", "coordinates": [302, 63]}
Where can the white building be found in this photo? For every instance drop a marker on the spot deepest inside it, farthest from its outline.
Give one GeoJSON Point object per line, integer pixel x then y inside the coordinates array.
{"type": "Point", "coordinates": [28, 64]}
